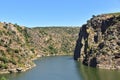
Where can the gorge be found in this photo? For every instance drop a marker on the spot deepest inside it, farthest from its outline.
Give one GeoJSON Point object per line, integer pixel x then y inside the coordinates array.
{"type": "Point", "coordinates": [97, 45]}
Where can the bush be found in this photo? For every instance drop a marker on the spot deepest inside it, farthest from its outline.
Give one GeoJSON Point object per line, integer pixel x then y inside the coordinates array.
{"type": "Point", "coordinates": [18, 27]}
{"type": "Point", "coordinates": [1, 42]}
{"type": "Point", "coordinates": [33, 50]}
{"type": "Point", "coordinates": [13, 61]}
{"type": "Point", "coordinates": [5, 45]}
{"type": "Point", "coordinates": [16, 51]}
{"type": "Point", "coordinates": [52, 50]}
{"type": "Point", "coordinates": [2, 52]}
{"type": "Point", "coordinates": [9, 50]}
{"type": "Point", "coordinates": [4, 59]}
{"type": "Point", "coordinates": [10, 41]}
{"type": "Point", "coordinates": [3, 78]}
{"type": "Point", "coordinates": [1, 33]}
{"type": "Point", "coordinates": [3, 65]}
{"type": "Point", "coordinates": [26, 35]}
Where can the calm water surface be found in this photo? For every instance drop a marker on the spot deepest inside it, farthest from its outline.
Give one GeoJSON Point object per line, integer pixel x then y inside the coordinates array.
{"type": "Point", "coordinates": [63, 68]}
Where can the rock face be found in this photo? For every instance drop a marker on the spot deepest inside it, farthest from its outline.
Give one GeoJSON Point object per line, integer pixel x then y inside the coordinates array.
{"type": "Point", "coordinates": [98, 44]}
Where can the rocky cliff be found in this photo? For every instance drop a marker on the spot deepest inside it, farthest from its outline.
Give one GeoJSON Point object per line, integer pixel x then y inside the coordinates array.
{"type": "Point", "coordinates": [98, 44]}
{"type": "Point", "coordinates": [19, 45]}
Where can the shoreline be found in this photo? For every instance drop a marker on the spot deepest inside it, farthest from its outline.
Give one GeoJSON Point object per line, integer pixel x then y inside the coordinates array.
{"type": "Point", "coordinates": [28, 67]}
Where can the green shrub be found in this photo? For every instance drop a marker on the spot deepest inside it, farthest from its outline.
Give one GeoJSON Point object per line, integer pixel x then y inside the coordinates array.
{"type": "Point", "coordinates": [18, 27]}
{"type": "Point", "coordinates": [33, 50]}
{"type": "Point", "coordinates": [1, 33]}
{"type": "Point", "coordinates": [1, 42]}
{"type": "Point", "coordinates": [3, 78]}
{"type": "Point", "coordinates": [5, 45]}
{"type": "Point", "coordinates": [9, 50]}
{"type": "Point", "coordinates": [4, 32]}
{"type": "Point", "coordinates": [13, 32]}
{"type": "Point", "coordinates": [4, 59]}
{"type": "Point", "coordinates": [43, 32]}
{"type": "Point", "coordinates": [9, 33]}
{"type": "Point", "coordinates": [13, 61]}
{"type": "Point", "coordinates": [3, 65]}
{"type": "Point", "coordinates": [16, 51]}
{"type": "Point", "coordinates": [10, 41]}
{"type": "Point", "coordinates": [26, 35]}
{"type": "Point", "coordinates": [52, 50]}
{"type": "Point", "coordinates": [2, 52]}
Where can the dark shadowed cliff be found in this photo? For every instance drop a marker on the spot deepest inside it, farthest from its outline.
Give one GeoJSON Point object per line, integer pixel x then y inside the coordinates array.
{"type": "Point", "coordinates": [98, 44]}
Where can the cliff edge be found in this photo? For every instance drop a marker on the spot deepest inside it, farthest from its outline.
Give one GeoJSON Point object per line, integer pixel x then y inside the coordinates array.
{"type": "Point", "coordinates": [98, 44]}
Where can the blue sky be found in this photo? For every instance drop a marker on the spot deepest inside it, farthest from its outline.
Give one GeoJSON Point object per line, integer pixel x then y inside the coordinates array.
{"type": "Point", "coordinates": [32, 13]}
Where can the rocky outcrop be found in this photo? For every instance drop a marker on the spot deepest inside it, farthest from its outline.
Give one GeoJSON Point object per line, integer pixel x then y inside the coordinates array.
{"type": "Point", "coordinates": [98, 44]}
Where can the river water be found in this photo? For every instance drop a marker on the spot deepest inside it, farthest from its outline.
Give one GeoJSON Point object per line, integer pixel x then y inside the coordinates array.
{"type": "Point", "coordinates": [63, 68]}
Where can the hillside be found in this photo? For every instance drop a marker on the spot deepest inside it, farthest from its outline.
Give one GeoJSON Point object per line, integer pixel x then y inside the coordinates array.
{"type": "Point", "coordinates": [15, 54]}
{"type": "Point", "coordinates": [19, 45]}
{"type": "Point", "coordinates": [53, 41]}
{"type": "Point", "coordinates": [98, 44]}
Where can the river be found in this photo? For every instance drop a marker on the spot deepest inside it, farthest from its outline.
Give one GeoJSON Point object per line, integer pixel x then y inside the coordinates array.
{"type": "Point", "coordinates": [63, 68]}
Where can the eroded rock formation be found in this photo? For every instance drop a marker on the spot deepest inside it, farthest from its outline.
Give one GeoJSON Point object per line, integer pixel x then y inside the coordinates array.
{"type": "Point", "coordinates": [98, 44]}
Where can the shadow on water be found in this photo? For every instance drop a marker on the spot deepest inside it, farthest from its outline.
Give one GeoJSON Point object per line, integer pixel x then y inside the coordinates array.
{"type": "Point", "coordinates": [89, 73]}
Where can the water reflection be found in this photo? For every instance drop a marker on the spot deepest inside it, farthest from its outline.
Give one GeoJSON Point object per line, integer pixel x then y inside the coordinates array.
{"type": "Point", "coordinates": [89, 73]}
{"type": "Point", "coordinates": [63, 68]}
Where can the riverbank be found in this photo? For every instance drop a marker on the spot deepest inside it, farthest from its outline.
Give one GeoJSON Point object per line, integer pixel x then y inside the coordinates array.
{"type": "Point", "coordinates": [15, 70]}
{"type": "Point", "coordinates": [28, 66]}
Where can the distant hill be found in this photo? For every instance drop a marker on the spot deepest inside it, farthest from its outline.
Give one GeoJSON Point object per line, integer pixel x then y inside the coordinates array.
{"type": "Point", "coordinates": [54, 41]}
{"type": "Point", "coordinates": [19, 45]}
{"type": "Point", "coordinates": [98, 44]}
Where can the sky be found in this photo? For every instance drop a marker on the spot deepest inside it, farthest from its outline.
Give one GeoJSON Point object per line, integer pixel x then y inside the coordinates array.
{"type": "Point", "coordinates": [34, 13]}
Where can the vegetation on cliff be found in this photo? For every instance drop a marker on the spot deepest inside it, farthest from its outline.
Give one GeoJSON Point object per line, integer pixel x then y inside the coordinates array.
{"type": "Point", "coordinates": [15, 54]}
{"type": "Point", "coordinates": [19, 45]}
{"type": "Point", "coordinates": [53, 40]}
{"type": "Point", "coordinates": [98, 44]}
